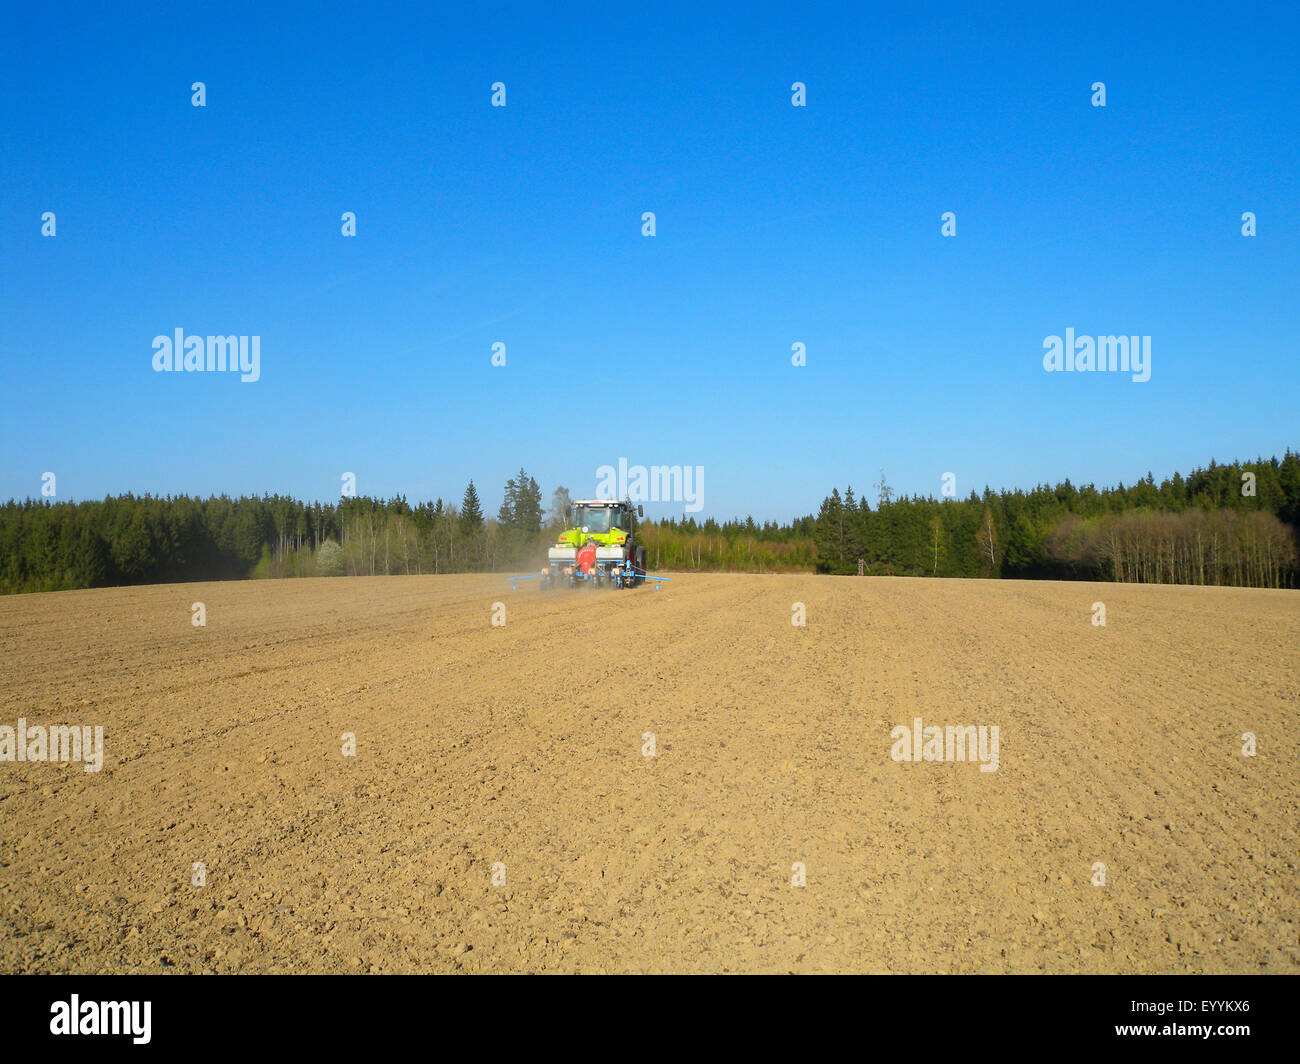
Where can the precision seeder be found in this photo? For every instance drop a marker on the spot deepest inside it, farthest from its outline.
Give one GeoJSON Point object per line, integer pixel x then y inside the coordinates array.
{"type": "Point", "coordinates": [600, 550]}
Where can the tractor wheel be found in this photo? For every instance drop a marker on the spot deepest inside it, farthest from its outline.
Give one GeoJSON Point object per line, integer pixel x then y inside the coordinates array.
{"type": "Point", "coordinates": [639, 564]}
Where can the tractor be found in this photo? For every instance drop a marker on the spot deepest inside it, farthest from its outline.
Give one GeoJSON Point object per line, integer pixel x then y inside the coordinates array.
{"type": "Point", "coordinates": [599, 549]}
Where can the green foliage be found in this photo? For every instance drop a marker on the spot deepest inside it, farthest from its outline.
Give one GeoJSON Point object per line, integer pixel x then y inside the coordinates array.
{"type": "Point", "coordinates": [518, 542]}
{"type": "Point", "coordinates": [329, 559]}
{"type": "Point", "coordinates": [471, 512]}
{"type": "Point", "coordinates": [1205, 528]}
{"type": "Point", "coordinates": [732, 546]}
{"type": "Point", "coordinates": [1202, 528]}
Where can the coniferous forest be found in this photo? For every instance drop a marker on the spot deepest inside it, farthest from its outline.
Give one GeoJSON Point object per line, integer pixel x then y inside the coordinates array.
{"type": "Point", "coordinates": [1233, 524]}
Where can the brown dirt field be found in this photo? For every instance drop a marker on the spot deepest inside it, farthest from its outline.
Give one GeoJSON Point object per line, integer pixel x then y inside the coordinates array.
{"type": "Point", "coordinates": [522, 745]}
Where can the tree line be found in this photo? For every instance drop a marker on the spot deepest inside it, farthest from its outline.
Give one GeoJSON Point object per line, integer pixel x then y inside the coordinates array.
{"type": "Point", "coordinates": [130, 539]}
{"type": "Point", "coordinates": [1224, 524]}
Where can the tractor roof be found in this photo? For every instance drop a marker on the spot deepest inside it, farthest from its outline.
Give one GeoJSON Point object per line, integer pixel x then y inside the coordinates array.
{"type": "Point", "coordinates": [598, 502]}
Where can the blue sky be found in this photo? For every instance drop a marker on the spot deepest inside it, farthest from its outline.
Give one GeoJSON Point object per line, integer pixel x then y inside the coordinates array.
{"type": "Point", "coordinates": [522, 225]}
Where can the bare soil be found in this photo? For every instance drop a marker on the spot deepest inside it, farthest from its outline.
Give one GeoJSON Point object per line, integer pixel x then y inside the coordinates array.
{"type": "Point", "coordinates": [521, 747]}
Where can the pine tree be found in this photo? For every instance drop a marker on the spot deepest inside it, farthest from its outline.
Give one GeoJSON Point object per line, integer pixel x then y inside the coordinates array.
{"type": "Point", "coordinates": [471, 512]}
{"type": "Point", "coordinates": [508, 515]}
{"type": "Point", "coordinates": [829, 534]}
{"type": "Point", "coordinates": [528, 508]}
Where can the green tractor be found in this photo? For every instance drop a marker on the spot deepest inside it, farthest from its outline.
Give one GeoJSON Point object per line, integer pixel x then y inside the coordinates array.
{"type": "Point", "coordinates": [599, 549]}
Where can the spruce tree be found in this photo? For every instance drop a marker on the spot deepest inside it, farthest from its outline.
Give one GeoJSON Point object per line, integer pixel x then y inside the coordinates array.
{"type": "Point", "coordinates": [508, 515]}
{"type": "Point", "coordinates": [528, 505]}
{"type": "Point", "coordinates": [471, 512]}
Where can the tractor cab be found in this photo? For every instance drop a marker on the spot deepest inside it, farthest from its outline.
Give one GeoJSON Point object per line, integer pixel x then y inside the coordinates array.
{"type": "Point", "coordinates": [602, 519]}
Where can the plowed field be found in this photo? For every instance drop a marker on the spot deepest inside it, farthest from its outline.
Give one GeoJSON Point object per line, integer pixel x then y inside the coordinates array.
{"type": "Point", "coordinates": [501, 814]}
